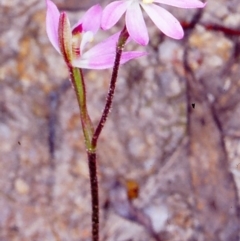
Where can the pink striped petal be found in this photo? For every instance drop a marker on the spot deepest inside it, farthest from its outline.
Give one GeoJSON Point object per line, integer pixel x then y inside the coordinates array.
{"type": "Point", "coordinates": [183, 3]}
{"type": "Point", "coordinates": [112, 13]}
{"type": "Point", "coordinates": [136, 25]}
{"type": "Point", "coordinates": [164, 20]}
{"type": "Point", "coordinates": [105, 61]}
{"type": "Point", "coordinates": [91, 20]}
{"type": "Point", "coordinates": [52, 21]}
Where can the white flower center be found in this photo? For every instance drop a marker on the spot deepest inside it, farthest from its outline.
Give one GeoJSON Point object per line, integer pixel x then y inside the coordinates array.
{"type": "Point", "coordinates": [147, 1]}
{"type": "Point", "coordinates": [87, 37]}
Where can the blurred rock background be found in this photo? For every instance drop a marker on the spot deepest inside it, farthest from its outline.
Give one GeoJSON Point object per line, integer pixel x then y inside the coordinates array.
{"type": "Point", "coordinates": [167, 171]}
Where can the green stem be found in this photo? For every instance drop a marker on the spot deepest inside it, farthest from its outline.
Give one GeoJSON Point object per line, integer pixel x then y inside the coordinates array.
{"type": "Point", "coordinates": [79, 87]}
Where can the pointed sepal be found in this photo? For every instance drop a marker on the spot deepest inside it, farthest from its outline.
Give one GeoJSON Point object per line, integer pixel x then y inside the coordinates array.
{"type": "Point", "coordinates": [65, 38]}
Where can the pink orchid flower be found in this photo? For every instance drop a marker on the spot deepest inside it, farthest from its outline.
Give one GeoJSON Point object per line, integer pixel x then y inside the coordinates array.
{"type": "Point", "coordinates": [71, 42]}
{"type": "Point", "coordinates": [135, 23]}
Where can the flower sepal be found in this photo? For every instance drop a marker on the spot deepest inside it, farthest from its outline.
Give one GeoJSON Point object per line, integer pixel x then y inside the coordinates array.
{"type": "Point", "coordinates": [65, 38]}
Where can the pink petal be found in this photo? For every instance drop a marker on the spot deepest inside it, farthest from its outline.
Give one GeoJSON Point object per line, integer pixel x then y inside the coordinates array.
{"type": "Point", "coordinates": [91, 20]}
{"type": "Point", "coordinates": [136, 25]}
{"type": "Point", "coordinates": [126, 56]}
{"type": "Point", "coordinates": [102, 55]}
{"type": "Point", "coordinates": [52, 21]}
{"type": "Point", "coordinates": [183, 3]}
{"type": "Point", "coordinates": [105, 61]}
{"type": "Point", "coordinates": [106, 46]}
{"type": "Point", "coordinates": [164, 20]}
{"type": "Point", "coordinates": [112, 13]}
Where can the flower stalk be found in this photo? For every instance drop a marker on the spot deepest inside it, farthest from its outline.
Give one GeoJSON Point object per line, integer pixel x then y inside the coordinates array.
{"type": "Point", "coordinates": [119, 49]}
{"type": "Point", "coordinates": [92, 155]}
{"type": "Point", "coordinates": [92, 164]}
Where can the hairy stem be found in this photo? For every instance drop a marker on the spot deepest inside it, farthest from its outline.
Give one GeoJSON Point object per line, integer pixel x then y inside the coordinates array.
{"type": "Point", "coordinates": [119, 48]}
{"type": "Point", "coordinates": [94, 193]}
